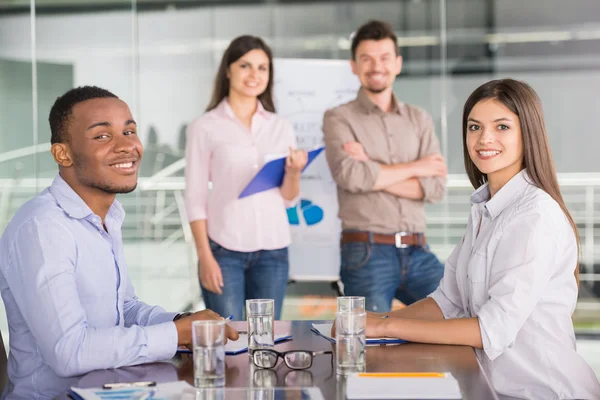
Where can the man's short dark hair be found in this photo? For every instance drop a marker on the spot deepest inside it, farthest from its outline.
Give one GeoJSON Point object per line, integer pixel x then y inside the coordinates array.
{"type": "Point", "coordinates": [63, 107]}
{"type": "Point", "coordinates": [373, 30]}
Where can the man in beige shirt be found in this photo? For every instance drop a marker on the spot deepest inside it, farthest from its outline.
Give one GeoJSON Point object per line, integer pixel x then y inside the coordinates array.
{"type": "Point", "coordinates": [385, 158]}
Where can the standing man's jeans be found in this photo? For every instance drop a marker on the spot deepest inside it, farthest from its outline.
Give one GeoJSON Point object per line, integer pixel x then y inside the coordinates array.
{"type": "Point", "coordinates": [381, 272]}
{"type": "Point", "coordinates": [260, 274]}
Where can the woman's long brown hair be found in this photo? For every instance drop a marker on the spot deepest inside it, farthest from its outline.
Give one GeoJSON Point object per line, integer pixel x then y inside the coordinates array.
{"type": "Point", "coordinates": [237, 48]}
{"type": "Point", "coordinates": [522, 100]}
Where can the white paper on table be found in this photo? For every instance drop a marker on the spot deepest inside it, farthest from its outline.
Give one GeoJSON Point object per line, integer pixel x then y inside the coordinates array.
{"type": "Point", "coordinates": [380, 388]}
{"type": "Point", "coordinates": [166, 391]}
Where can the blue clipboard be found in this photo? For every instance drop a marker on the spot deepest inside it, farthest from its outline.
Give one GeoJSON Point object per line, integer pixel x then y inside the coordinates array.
{"type": "Point", "coordinates": [271, 174]}
{"type": "Point", "coordinates": [369, 341]}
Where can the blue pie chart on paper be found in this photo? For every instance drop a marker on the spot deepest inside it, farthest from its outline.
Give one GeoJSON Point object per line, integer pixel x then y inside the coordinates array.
{"type": "Point", "coordinates": [311, 213]}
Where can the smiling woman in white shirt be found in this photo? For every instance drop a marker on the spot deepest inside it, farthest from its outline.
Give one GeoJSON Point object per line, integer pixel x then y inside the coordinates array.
{"type": "Point", "coordinates": [241, 243]}
{"type": "Point", "coordinates": [510, 287]}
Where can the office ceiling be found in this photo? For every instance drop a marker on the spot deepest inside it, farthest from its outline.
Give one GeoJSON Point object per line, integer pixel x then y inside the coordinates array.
{"type": "Point", "coordinates": [78, 5]}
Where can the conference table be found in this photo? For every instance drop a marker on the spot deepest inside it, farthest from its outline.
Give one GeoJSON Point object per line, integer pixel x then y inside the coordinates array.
{"type": "Point", "coordinates": [408, 357]}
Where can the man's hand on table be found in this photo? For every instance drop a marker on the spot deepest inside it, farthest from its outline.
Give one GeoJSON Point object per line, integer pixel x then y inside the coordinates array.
{"type": "Point", "coordinates": [184, 327]}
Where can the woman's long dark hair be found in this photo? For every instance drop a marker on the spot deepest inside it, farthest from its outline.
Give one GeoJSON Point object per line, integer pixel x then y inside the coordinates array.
{"type": "Point", "coordinates": [237, 48]}
{"type": "Point", "coordinates": [522, 100]}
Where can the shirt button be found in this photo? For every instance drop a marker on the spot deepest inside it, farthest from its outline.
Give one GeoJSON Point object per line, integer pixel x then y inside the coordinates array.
{"type": "Point", "coordinates": [255, 166]}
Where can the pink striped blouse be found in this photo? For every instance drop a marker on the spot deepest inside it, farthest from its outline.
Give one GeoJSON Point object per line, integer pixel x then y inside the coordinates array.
{"type": "Point", "coordinates": [222, 150]}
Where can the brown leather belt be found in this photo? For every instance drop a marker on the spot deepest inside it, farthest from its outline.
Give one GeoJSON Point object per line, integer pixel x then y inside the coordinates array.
{"type": "Point", "coordinates": [400, 239]}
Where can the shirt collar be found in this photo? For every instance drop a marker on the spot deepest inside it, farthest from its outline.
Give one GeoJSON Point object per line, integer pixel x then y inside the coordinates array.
{"type": "Point", "coordinates": [505, 196]}
{"type": "Point", "coordinates": [370, 107]}
{"type": "Point", "coordinates": [74, 205]}
{"type": "Point", "coordinates": [226, 109]}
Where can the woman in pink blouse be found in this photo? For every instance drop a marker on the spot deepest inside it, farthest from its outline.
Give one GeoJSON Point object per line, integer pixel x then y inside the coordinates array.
{"type": "Point", "coordinates": [241, 243]}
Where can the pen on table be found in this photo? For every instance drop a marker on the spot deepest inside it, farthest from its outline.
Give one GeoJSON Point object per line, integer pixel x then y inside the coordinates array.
{"type": "Point", "coordinates": [230, 318]}
{"type": "Point", "coordinates": [402, 375]}
{"type": "Point", "coordinates": [128, 384]}
{"type": "Point", "coordinates": [385, 316]}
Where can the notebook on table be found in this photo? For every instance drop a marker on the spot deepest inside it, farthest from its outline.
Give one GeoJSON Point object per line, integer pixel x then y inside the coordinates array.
{"type": "Point", "coordinates": [392, 386]}
{"type": "Point", "coordinates": [160, 391]}
{"type": "Point", "coordinates": [241, 345]}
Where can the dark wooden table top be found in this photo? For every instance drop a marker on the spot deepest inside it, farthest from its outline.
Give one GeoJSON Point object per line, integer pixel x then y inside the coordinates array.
{"type": "Point", "coordinates": [459, 360]}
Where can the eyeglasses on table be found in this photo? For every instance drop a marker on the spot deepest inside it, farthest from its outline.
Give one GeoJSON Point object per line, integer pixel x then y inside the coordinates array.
{"type": "Point", "coordinates": [294, 359]}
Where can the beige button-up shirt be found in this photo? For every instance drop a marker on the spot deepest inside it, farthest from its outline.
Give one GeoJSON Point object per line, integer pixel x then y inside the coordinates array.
{"type": "Point", "coordinates": [402, 136]}
{"type": "Point", "coordinates": [514, 271]}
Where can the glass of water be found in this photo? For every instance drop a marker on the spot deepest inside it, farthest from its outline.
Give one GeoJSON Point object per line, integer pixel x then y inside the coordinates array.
{"type": "Point", "coordinates": [262, 383]}
{"type": "Point", "coordinates": [259, 314]}
{"type": "Point", "coordinates": [350, 341]}
{"type": "Point", "coordinates": [350, 303]}
{"type": "Point", "coordinates": [209, 353]}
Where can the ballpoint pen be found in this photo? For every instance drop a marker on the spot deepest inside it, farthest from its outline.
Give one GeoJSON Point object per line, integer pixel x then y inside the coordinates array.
{"type": "Point", "coordinates": [128, 384]}
{"type": "Point", "coordinates": [230, 318]}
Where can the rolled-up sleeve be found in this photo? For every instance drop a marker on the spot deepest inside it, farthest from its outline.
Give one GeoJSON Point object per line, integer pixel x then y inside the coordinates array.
{"type": "Point", "coordinates": [197, 171]}
{"type": "Point", "coordinates": [447, 295]}
{"type": "Point", "coordinates": [434, 188]}
{"type": "Point", "coordinates": [520, 272]}
{"type": "Point", "coordinates": [350, 174]}
{"type": "Point", "coordinates": [41, 274]}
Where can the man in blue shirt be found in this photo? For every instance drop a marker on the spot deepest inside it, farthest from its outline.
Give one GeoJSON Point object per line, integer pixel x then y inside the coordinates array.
{"type": "Point", "coordinates": [70, 305]}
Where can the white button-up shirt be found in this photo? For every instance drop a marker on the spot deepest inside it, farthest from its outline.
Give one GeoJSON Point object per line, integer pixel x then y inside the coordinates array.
{"type": "Point", "coordinates": [514, 270]}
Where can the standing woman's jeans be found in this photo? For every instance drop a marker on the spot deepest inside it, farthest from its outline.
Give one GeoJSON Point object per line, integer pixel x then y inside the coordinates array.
{"type": "Point", "coordinates": [259, 274]}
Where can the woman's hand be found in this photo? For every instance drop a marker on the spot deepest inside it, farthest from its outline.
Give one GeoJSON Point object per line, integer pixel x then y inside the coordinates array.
{"type": "Point", "coordinates": [296, 161]}
{"type": "Point", "coordinates": [376, 325]}
{"type": "Point", "coordinates": [210, 274]}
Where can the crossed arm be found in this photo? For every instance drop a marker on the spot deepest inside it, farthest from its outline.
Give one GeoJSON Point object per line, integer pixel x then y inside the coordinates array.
{"type": "Point", "coordinates": [401, 180]}
{"type": "Point", "coordinates": [355, 171]}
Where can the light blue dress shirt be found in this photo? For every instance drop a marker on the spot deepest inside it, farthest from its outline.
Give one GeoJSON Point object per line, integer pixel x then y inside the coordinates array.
{"type": "Point", "coordinates": [70, 305]}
